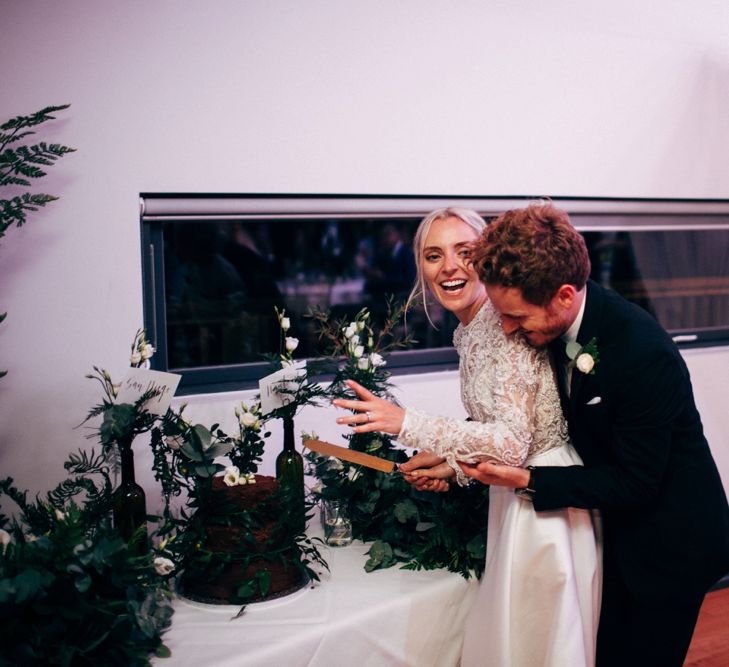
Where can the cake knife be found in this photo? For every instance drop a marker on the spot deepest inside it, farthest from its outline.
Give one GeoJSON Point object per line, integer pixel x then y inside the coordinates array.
{"type": "Point", "coordinates": [351, 455]}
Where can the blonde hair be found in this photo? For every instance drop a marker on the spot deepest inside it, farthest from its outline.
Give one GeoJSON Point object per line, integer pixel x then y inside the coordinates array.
{"type": "Point", "coordinates": [465, 215]}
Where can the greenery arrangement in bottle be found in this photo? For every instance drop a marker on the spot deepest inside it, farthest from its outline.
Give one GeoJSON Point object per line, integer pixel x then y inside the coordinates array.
{"type": "Point", "coordinates": [418, 529]}
{"type": "Point", "coordinates": [295, 392]}
{"type": "Point", "coordinates": [121, 423]}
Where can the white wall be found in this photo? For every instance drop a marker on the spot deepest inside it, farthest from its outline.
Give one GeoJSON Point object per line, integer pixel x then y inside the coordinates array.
{"type": "Point", "coordinates": [521, 97]}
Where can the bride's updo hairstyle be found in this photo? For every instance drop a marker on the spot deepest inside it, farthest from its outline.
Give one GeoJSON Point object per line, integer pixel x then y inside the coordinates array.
{"type": "Point", "coordinates": [535, 249]}
{"type": "Point", "coordinates": [465, 215]}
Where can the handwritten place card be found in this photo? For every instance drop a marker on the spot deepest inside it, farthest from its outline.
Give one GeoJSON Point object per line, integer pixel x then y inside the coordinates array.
{"type": "Point", "coordinates": [270, 386]}
{"type": "Point", "coordinates": [141, 380]}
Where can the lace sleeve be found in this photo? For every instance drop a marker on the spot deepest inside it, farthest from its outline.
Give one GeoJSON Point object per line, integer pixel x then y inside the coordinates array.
{"type": "Point", "coordinates": [499, 387]}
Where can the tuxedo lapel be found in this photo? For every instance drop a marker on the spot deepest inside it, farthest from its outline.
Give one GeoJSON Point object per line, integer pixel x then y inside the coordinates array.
{"type": "Point", "coordinates": [589, 329]}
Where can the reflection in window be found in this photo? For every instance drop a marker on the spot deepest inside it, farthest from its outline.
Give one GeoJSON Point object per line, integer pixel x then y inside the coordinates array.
{"type": "Point", "coordinates": [223, 280]}
{"type": "Point", "coordinates": [680, 276]}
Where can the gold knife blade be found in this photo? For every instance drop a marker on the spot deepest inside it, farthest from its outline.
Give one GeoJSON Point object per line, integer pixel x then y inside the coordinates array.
{"type": "Point", "coordinates": [351, 455]}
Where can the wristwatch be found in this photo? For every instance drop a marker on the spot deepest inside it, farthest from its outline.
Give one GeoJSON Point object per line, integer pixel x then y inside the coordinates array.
{"type": "Point", "coordinates": [527, 492]}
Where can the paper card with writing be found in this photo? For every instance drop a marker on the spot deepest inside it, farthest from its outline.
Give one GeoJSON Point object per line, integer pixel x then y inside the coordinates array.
{"type": "Point", "coordinates": [285, 378]}
{"type": "Point", "coordinates": [140, 380]}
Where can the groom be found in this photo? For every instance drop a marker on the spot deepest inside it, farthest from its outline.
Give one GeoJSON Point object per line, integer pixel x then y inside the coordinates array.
{"type": "Point", "coordinates": [632, 418]}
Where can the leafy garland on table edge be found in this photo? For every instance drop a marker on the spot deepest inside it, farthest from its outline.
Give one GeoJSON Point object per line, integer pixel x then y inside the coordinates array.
{"type": "Point", "coordinates": [423, 530]}
{"type": "Point", "coordinates": [72, 591]}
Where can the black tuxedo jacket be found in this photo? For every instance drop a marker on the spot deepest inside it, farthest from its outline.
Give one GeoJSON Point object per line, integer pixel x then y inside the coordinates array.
{"type": "Point", "coordinates": [648, 467]}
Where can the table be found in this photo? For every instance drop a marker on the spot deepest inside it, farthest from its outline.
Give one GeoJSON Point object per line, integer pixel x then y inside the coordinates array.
{"type": "Point", "coordinates": [389, 617]}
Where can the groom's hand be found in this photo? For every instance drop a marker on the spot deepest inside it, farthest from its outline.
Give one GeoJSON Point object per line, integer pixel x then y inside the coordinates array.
{"type": "Point", "coordinates": [497, 474]}
{"type": "Point", "coordinates": [427, 472]}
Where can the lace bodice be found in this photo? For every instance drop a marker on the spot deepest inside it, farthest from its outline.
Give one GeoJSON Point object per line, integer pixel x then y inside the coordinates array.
{"type": "Point", "coordinates": [508, 390]}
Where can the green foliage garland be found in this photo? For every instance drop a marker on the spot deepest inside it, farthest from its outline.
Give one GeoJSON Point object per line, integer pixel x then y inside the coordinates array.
{"type": "Point", "coordinates": [420, 529]}
{"type": "Point", "coordinates": [71, 592]}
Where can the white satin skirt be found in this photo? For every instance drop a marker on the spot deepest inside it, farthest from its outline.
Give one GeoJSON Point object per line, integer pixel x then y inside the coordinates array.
{"type": "Point", "coordinates": [538, 604]}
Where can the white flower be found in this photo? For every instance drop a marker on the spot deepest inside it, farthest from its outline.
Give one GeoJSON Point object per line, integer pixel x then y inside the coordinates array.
{"type": "Point", "coordinates": [317, 489]}
{"type": "Point", "coordinates": [231, 476]}
{"type": "Point", "coordinates": [60, 516]}
{"type": "Point", "coordinates": [360, 326]}
{"type": "Point", "coordinates": [291, 343]}
{"type": "Point", "coordinates": [335, 463]}
{"type": "Point", "coordinates": [146, 351]}
{"type": "Point", "coordinates": [285, 323]}
{"type": "Point", "coordinates": [377, 360]}
{"type": "Point", "coordinates": [248, 419]}
{"type": "Point", "coordinates": [370, 342]}
{"type": "Point", "coordinates": [585, 362]}
{"type": "Point", "coordinates": [5, 539]}
{"type": "Point", "coordinates": [351, 330]}
{"type": "Point", "coordinates": [358, 351]}
{"type": "Point", "coordinates": [175, 442]}
{"type": "Point", "coordinates": [248, 478]}
{"type": "Point", "coordinates": [163, 566]}
{"type": "Point", "coordinates": [135, 359]}
{"type": "Point", "coordinates": [352, 474]}
{"type": "Point", "coordinates": [363, 364]}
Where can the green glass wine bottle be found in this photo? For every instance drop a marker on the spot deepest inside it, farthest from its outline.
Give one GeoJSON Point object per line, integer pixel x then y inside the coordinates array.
{"type": "Point", "coordinates": [290, 474]}
{"type": "Point", "coordinates": [129, 504]}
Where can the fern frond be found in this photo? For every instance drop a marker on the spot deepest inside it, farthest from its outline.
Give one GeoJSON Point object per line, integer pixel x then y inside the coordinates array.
{"type": "Point", "coordinates": [13, 211]}
{"type": "Point", "coordinates": [33, 119]}
{"type": "Point", "coordinates": [14, 180]}
{"type": "Point", "coordinates": [6, 139]}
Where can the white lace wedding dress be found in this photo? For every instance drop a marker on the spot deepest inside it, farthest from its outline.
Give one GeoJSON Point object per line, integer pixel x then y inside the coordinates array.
{"type": "Point", "coordinates": [539, 598]}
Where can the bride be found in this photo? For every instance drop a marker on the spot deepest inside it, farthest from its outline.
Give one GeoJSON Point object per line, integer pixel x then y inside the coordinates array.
{"type": "Point", "coordinates": [539, 598]}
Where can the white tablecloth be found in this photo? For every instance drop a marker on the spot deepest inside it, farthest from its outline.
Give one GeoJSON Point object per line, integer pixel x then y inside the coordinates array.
{"type": "Point", "coordinates": [388, 617]}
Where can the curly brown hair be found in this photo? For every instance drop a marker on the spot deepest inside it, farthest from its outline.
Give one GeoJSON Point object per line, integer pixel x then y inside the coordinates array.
{"type": "Point", "coordinates": [535, 249]}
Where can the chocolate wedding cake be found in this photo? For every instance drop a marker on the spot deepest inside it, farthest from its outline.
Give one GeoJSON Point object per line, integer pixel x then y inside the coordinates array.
{"type": "Point", "coordinates": [251, 545]}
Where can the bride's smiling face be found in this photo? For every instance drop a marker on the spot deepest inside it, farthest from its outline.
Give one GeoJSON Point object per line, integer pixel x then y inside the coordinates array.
{"type": "Point", "coordinates": [447, 268]}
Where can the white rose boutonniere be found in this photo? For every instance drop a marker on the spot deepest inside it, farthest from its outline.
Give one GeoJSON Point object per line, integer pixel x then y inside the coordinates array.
{"type": "Point", "coordinates": [163, 566]}
{"type": "Point", "coordinates": [583, 357]}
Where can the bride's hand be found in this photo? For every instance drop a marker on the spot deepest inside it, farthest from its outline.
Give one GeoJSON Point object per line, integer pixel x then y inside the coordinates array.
{"type": "Point", "coordinates": [372, 413]}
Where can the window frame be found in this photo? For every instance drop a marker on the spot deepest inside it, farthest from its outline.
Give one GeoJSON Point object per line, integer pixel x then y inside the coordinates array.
{"type": "Point", "coordinates": [587, 214]}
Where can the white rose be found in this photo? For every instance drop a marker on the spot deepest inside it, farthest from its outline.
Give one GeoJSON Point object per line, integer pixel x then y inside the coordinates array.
{"type": "Point", "coordinates": [5, 539]}
{"type": "Point", "coordinates": [135, 359]}
{"type": "Point", "coordinates": [363, 364]}
{"type": "Point", "coordinates": [335, 463]}
{"type": "Point", "coordinates": [175, 442]}
{"type": "Point", "coordinates": [358, 351]}
{"type": "Point", "coordinates": [163, 566]}
{"type": "Point", "coordinates": [351, 330]}
{"type": "Point", "coordinates": [147, 351]}
{"type": "Point", "coordinates": [248, 420]}
{"type": "Point", "coordinates": [353, 474]}
{"type": "Point", "coordinates": [370, 342]}
{"type": "Point", "coordinates": [377, 360]}
{"type": "Point", "coordinates": [285, 323]}
{"type": "Point", "coordinates": [585, 363]}
{"type": "Point", "coordinates": [248, 478]}
{"type": "Point", "coordinates": [291, 343]}
{"type": "Point", "coordinates": [231, 476]}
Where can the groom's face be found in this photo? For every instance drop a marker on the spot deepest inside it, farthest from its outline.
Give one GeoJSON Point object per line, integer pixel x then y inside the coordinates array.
{"type": "Point", "coordinates": [537, 324]}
